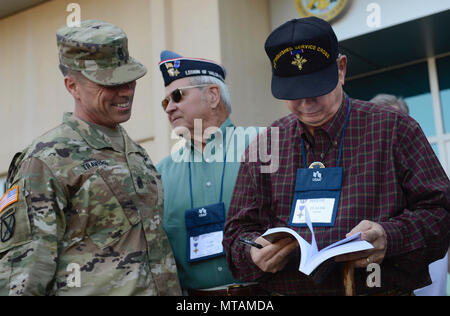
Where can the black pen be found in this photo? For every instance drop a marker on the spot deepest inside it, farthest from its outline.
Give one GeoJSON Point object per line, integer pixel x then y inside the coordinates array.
{"type": "Point", "coordinates": [250, 243]}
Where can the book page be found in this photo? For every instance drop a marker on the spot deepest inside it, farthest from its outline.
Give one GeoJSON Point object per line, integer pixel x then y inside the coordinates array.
{"type": "Point", "coordinates": [325, 254]}
{"type": "Point", "coordinates": [343, 241]}
{"type": "Point", "coordinates": [314, 249]}
{"type": "Point", "coordinates": [310, 256]}
{"type": "Point", "coordinates": [347, 245]}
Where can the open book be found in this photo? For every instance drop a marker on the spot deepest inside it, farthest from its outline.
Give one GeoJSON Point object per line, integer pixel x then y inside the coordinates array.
{"type": "Point", "coordinates": [311, 257]}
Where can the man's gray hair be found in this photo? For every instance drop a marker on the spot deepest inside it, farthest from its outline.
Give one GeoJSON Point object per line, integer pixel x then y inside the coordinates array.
{"type": "Point", "coordinates": [391, 100]}
{"type": "Point", "coordinates": [224, 92]}
{"type": "Point", "coordinates": [70, 72]}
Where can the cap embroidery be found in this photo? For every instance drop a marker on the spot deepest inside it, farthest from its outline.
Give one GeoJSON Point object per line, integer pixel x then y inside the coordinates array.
{"type": "Point", "coordinates": [299, 61]}
{"type": "Point", "coordinates": [171, 70]}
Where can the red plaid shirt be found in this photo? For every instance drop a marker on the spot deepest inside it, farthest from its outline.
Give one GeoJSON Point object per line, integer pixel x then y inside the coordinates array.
{"type": "Point", "coordinates": [391, 176]}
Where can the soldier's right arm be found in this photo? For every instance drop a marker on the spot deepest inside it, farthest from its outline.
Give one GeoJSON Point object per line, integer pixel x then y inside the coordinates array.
{"type": "Point", "coordinates": [32, 226]}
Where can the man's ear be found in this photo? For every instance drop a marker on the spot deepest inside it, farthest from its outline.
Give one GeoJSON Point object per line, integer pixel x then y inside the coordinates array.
{"type": "Point", "coordinates": [213, 95]}
{"type": "Point", "coordinates": [72, 86]}
{"type": "Point", "coordinates": [342, 68]}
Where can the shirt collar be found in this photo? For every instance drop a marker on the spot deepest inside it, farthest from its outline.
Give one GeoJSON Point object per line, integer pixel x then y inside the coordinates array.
{"type": "Point", "coordinates": [333, 128]}
{"type": "Point", "coordinates": [95, 137]}
{"type": "Point", "coordinates": [221, 132]}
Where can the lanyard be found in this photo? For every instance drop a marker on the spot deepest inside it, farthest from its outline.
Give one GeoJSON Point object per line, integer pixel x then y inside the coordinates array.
{"type": "Point", "coordinates": [223, 172]}
{"type": "Point", "coordinates": [340, 146]}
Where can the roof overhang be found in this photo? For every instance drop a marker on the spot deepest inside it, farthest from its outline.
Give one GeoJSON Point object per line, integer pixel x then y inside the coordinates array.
{"type": "Point", "coordinates": [10, 7]}
{"type": "Point", "coordinates": [397, 45]}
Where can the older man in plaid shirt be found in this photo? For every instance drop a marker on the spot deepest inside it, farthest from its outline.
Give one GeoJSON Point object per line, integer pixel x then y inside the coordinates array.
{"type": "Point", "coordinates": [393, 189]}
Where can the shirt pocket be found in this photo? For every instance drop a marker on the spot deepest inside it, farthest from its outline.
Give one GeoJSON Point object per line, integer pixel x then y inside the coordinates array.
{"type": "Point", "coordinates": [105, 209]}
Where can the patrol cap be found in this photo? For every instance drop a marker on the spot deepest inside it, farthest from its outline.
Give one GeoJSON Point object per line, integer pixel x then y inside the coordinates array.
{"type": "Point", "coordinates": [303, 55]}
{"type": "Point", "coordinates": [100, 51]}
{"type": "Point", "coordinates": [174, 67]}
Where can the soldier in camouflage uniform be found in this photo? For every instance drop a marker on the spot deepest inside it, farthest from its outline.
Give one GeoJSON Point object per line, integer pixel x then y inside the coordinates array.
{"type": "Point", "coordinates": [84, 201]}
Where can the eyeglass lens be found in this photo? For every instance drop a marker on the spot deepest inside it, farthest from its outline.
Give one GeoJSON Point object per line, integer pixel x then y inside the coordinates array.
{"type": "Point", "coordinates": [175, 96]}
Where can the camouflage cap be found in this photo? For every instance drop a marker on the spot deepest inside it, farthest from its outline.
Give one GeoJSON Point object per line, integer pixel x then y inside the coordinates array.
{"type": "Point", "coordinates": [99, 50]}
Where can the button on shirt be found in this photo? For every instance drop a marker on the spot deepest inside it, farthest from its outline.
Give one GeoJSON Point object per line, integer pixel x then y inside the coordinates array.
{"type": "Point", "coordinates": [206, 182]}
{"type": "Point", "coordinates": [391, 176]}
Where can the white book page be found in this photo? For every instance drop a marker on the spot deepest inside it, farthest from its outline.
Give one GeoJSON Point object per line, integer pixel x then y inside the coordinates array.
{"type": "Point", "coordinates": [310, 256]}
{"type": "Point", "coordinates": [314, 249]}
{"type": "Point", "coordinates": [347, 245]}
{"type": "Point", "coordinates": [356, 236]}
{"type": "Point", "coordinates": [323, 255]}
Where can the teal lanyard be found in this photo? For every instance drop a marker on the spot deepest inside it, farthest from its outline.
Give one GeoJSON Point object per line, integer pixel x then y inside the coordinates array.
{"type": "Point", "coordinates": [342, 140]}
{"type": "Point", "coordinates": [223, 172]}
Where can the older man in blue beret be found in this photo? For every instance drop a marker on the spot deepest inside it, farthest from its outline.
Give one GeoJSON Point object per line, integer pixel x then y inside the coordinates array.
{"type": "Point", "coordinates": [199, 178]}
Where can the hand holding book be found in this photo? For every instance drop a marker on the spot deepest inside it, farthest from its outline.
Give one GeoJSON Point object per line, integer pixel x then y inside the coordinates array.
{"type": "Point", "coordinates": [273, 257]}
{"type": "Point", "coordinates": [310, 257]}
{"type": "Point", "coordinates": [373, 233]}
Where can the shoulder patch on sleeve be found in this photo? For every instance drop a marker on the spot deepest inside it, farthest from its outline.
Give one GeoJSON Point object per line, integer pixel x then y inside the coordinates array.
{"type": "Point", "coordinates": [10, 197]}
{"type": "Point", "coordinates": [7, 226]}
{"type": "Point", "coordinates": [15, 228]}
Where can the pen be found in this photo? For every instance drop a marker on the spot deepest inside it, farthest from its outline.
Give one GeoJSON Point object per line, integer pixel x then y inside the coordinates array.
{"type": "Point", "coordinates": [250, 243]}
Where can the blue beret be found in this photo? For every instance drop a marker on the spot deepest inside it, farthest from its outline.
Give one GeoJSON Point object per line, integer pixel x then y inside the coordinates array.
{"type": "Point", "coordinates": [174, 67]}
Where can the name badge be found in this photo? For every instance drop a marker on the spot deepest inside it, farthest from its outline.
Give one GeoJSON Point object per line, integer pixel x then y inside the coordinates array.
{"type": "Point", "coordinates": [318, 191]}
{"type": "Point", "coordinates": [204, 226]}
{"type": "Point", "coordinates": [206, 245]}
{"type": "Point", "coordinates": [320, 210]}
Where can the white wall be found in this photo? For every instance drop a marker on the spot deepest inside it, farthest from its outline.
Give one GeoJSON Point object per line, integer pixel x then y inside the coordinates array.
{"type": "Point", "coordinates": [33, 94]}
{"type": "Point", "coordinates": [353, 22]}
{"type": "Point", "coordinates": [244, 27]}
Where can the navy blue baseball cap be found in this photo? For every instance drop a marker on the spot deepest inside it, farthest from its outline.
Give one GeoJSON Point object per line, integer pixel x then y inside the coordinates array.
{"type": "Point", "coordinates": [174, 67]}
{"type": "Point", "coordinates": [303, 54]}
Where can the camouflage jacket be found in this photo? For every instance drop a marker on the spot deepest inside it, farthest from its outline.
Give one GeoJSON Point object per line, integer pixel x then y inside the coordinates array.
{"type": "Point", "coordinates": [84, 218]}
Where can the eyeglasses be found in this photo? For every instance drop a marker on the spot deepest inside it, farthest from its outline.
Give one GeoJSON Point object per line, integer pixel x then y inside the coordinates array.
{"type": "Point", "coordinates": [177, 95]}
